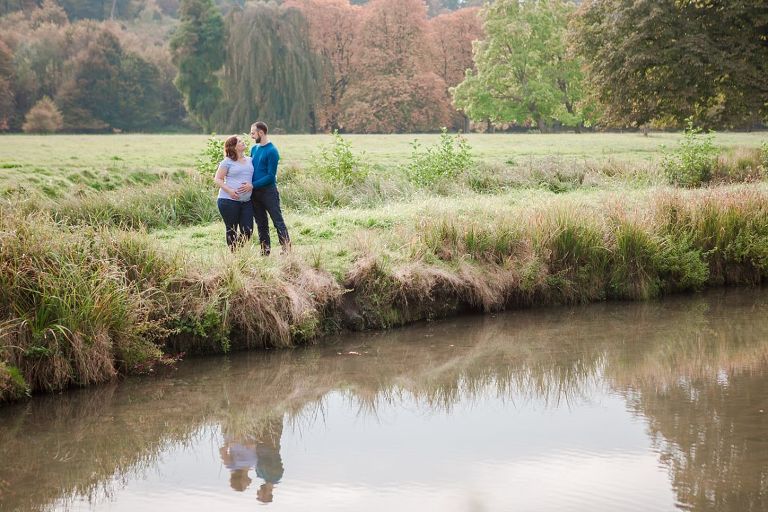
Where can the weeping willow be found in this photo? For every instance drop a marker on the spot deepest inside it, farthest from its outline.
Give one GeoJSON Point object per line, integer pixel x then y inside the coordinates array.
{"type": "Point", "coordinates": [270, 72]}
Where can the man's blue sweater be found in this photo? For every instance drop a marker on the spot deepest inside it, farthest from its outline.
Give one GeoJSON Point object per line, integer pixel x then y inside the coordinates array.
{"type": "Point", "coordinates": [265, 160]}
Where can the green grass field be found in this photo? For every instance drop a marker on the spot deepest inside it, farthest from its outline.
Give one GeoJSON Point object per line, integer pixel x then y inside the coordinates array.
{"type": "Point", "coordinates": [54, 164]}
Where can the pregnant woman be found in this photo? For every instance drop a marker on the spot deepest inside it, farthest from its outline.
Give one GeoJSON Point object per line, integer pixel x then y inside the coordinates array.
{"type": "Point", "coordinates": [236, 208]}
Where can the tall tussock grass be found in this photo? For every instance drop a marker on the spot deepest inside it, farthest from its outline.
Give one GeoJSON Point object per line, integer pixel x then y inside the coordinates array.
{"type": "Point", "coordinates": [80, 305]}
{"type": "Point", "coordinates": [160, 205]}
{"type": "Point", "coordinates": [70, 316]}
{"type": "Point", "coordinates": [570, 253]}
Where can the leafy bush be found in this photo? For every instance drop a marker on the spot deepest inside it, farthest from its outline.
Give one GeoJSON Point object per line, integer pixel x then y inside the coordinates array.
{"type": "Point", "coordinates": [692, 163]}
{"type": "Point", "coordinates": [338, 163]}
{"type": "Point", "coordinates": [209, 158]}
{"type": "Point", "coordinates": [43, 117]}
{"type": "Point", "coordinates": [447, 159]}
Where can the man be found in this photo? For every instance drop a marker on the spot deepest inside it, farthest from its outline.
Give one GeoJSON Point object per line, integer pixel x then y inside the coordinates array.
{"type": "Point", "coordinates": [265, 197]}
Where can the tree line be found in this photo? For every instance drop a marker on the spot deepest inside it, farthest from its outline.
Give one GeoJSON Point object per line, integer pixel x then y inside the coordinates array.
{"type": "Point", "coordinates": [383, 66]}
{"type": "Point", "coordinates": [82, 76]}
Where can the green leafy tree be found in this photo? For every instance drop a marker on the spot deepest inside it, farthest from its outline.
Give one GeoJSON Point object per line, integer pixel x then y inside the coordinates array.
{"type": "Point", "coordinates": [524, 72]}
{"type": "Point", "coordinates": [664, 61]}
{"type": "Point", "coordinates": [270, 72]}
{"type": "Point", "coordinates": [100, 9]}
{"type": "Point", "coordinates": [110, 88]}
{"type": "Point", "coordinates": [139, 95]}
{"type": "Point", "coordinates": [88, 98]}
{"type": "Point", "coordinates": [197, 48]}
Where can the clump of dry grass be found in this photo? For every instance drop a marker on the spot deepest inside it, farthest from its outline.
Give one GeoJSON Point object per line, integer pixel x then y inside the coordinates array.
{"type": "Point", "coordinates": [740, 165]}
{"type": "Point", "coordinates": [70, 314]}
{"type": "Point", "coordinates": [79, 306]}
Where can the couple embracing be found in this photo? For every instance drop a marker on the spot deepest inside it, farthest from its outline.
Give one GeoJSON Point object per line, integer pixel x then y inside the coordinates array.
{"type": "Point", "coordinates": [248, 190]}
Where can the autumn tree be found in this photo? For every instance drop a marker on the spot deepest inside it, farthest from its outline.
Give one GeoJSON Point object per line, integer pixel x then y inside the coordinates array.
{"type": "Point", "coordinates": [663, 61]}
{"type": "Point", "coordinates": [198, 51]}
{"type": "Point", "coordinates": [396, 90]}
{"type": "Point", "coordinates": [451, 36]}
{"type": "Point", "coordinates": [334, 35]}
{"type": "Point", "coordinates": [270, 71]}
{"type": "Point", "coordinates": [524, 72]}
{"type": "Point", "coordinates": [43, 117]}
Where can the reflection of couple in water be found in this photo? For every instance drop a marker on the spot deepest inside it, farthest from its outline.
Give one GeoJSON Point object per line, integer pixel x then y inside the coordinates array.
{"type": "Point", "coordinates": [261, 452]}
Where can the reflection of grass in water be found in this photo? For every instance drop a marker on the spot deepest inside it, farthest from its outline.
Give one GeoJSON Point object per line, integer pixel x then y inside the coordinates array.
{"type": "Point", "coordinates": [555, 357]}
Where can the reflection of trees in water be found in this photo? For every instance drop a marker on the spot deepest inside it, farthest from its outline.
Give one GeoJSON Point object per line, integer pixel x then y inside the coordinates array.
{"type": "Point", "coordinates": [701, 389]}
{"type": "Point", "coordinates": [76, 444]}
{"type": "Point", "coordinates": [712, 437]}
{"type": "Point", "coordinates": [81, 444]}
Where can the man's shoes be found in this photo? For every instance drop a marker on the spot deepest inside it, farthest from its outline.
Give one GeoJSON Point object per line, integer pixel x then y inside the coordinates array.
{"type": "Point", "coordinates": [265, 249]}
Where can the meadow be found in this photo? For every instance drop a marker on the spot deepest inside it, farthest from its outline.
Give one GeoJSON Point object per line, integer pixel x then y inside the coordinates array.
{"type": "Point", "coordinates": [114, 261]}
{"type": "Point", "coordinates": [55, 164]}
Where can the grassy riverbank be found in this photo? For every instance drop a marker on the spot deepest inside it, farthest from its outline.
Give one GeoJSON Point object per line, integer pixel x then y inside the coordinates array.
{"type": "Point", "coordinates": [98, 284]}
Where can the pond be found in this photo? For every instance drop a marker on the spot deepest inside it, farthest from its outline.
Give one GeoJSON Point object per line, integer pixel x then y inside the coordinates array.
{"type": "Point", "coordinates": [653, 406]}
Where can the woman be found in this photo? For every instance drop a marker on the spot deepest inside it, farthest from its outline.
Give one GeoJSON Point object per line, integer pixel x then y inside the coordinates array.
{"type": "Point", "coordinates": [236, 208]}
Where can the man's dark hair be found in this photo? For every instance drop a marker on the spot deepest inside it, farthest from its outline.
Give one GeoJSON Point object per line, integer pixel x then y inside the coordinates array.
{"type": "Point", "coordinates": [262, 126]}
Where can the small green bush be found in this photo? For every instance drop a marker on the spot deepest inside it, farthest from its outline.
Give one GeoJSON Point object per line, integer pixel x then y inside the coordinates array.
{"type": "Point", "coordinates": [338, 163]}
{"type": "Point", "coordinates": [208, 159]}
{"type": "Point", "coordinates": [451, 156]}
{"type": "Point", "coordinates": [691, 164]}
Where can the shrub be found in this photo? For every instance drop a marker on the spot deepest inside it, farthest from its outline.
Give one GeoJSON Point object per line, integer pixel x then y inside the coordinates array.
{"type": "Point", "coordinates": [209, 158]}
{"type": "Point", "coordinates": [338, 163]}
{"type": "Point", "coordinates": [691, 164]}
{"type": "Point", "coordinates": [43, 117]}
{"type": "Point", "coordinates": [445, 160]}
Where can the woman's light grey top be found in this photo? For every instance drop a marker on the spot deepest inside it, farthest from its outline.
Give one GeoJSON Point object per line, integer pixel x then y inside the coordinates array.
{"type": "Point", "coordinates": [237, 174]}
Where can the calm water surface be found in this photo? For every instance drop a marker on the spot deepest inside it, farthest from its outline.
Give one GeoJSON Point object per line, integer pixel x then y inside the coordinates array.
{"type": "Point", "coordinates": [621, 407]}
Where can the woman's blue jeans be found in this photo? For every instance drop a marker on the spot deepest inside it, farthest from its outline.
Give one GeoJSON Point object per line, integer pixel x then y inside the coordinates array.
{"type": "Point", "coordinates": [237, 216]}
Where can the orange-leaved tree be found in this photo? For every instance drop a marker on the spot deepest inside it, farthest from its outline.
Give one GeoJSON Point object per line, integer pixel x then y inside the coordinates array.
{"type": "Point", "coordinates": [451, 36]}
{"type": "Point", "coordinates": [333, 30]}
{"type": "Point", "coordinates": [396, 89]}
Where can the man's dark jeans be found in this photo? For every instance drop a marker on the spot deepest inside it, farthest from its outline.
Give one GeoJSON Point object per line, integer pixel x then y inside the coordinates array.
{"type": "Point", "coordinates": [236, 215]}
{"type": "Point", "coordinates": [267, 201]}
